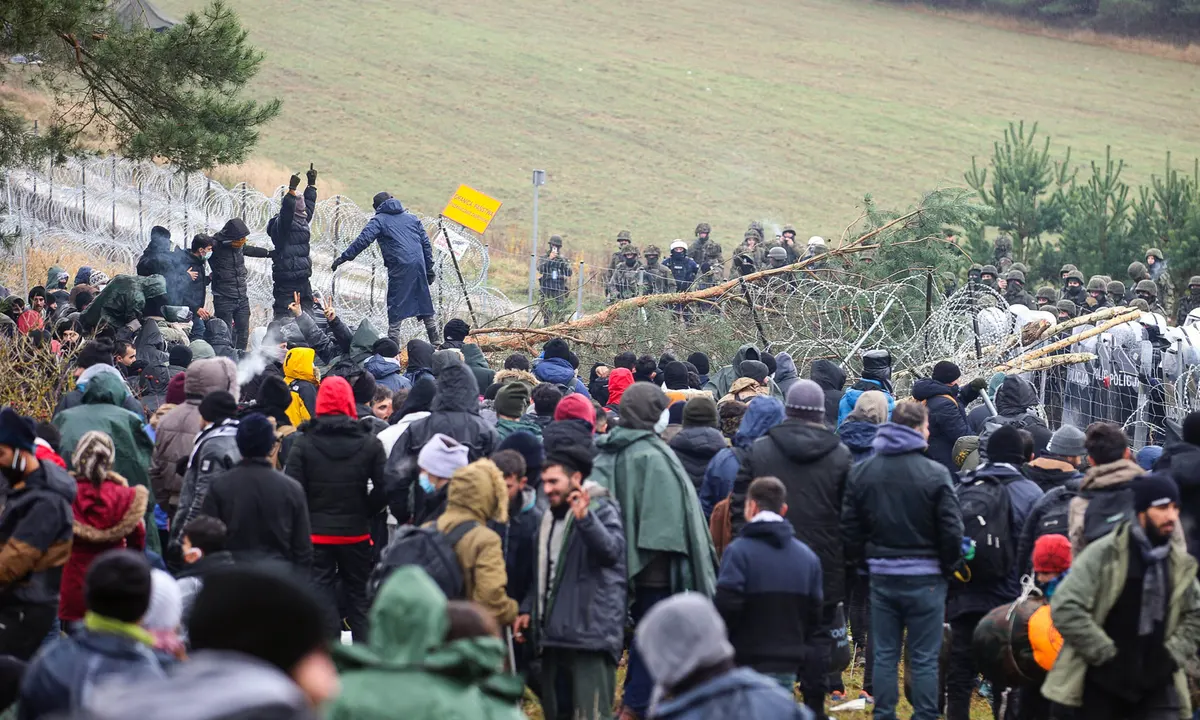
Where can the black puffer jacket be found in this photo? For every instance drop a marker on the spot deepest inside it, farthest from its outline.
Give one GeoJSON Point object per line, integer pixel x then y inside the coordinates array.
{"type": "Point", "coordinates": [228, 265]}
{"type": "Point", "coordinates": [192, 292]}
{"type": "Point", "coordinates": [947, 421]}
{"type": "Point", "coordinates": [159, 257]}
{"type": "Point", "coordinates": [332, 458]}
{"type": "Point", "coordinates": [1185, 469]}
{"type": "Point", "coordinates": [813, 465]}
{"type": "Point", "coordinates": [455, 413]}
{"type": "Point", "coordinates": [218, 334]}
{"type": "Point", "coordinates": [695, 447]}
{"type": "Point", "coordinates": [1015, 400]}
{"type": "Point", "coordinates": [291, 265]}
{"type": "Point", "coordinates": [832, 379]}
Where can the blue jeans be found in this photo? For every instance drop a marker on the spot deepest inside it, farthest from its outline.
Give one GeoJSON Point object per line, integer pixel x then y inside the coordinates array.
{"type": "Point", "coordinates": [638, 683]}
{"type": "Point", "coordinates": [918, 603]}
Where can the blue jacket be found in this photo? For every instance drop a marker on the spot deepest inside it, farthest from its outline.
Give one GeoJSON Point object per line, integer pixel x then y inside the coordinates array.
{"type": "Point", "coordinates": [947, 420]}
{"type": "Point", "coordinates": [762, 414]}
{"type": "Point", "coordinates": [769, 594]}
{"type": "Point", "coordinates": [850, 397]}
{"type": "Point", "coordinates": [740, 694]}
{"type": "Point", "coordinates": [387, 373]}
{"type": "Point", "coordinates": [684, 270]}
{"type": "Point", "coordinates": [406, 253]}
{"type": "Point", "coordinates": [61, 677]}
{"type": "Point", "coordinates": [558, 371]}
{"type": "Point", "coordinates": [858, 435]}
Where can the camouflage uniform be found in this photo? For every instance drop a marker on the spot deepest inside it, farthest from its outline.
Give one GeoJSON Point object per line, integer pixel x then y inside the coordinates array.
{"type": "Point", "coordinates": [1014, 292]}
{"type": "Point", "coordinates": [1147, 290]}
{"type": "Point", "coordinates": [1161, 276]}
{"type": "Point", "coordinates": [1003, 250]}
{"type": "Point", "coordinates": [553, 283]}
{"type": "Point", "coordinates": [1116, 292]}
{"type": "Point", "coordinates": [1188, 302]}
{"type": "Point", "coordinates": [700, 244]}
{"type": "Point", "coordinates": [712, 267]}
{"type": "Point", "coordinates": [1078, 295]}
{"type": "Point", "coordinates": [657, 279]}
{"type": "Point", "coordinates": [1047, 293]}
{"type": "Point", "coordinates": [617, 258]}
{"type": "Point", "coordinates": [1097, 294]}
{"type": "Point", "coordinates": [757, 255]}
{"type": "Point", "coordinates": [989, 270]}
{"type": "Point", "coordinates": [626, 280]}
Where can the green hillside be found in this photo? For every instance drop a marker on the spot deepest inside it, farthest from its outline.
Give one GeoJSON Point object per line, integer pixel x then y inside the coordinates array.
{"type": "Point", "coordinates": [653, 116]}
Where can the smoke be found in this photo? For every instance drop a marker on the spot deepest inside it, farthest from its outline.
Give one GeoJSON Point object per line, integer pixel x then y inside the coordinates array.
{"type": "Point", "coordinates": [264, 349]}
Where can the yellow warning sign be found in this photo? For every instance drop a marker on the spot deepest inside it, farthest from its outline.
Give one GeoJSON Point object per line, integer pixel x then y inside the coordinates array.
{"type": "Point", "coordinates": [471, 209]}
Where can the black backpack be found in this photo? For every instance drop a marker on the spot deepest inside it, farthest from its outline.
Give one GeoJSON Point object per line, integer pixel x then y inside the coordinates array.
{"type": "Point", "coordinates": [429, 549]}
{"type": "Point", "coordinates": [1106, 509]}
{"type": "Point", "coordinates": [1056, 519]}
{"type": "Point", "coordinates": [987, 519]}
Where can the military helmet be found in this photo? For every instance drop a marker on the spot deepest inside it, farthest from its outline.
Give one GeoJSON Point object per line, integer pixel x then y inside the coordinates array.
{"type": "Point", "coordinates": [1116, 289]}
{"type": "Point", "coordinates": [1155, 253]}
{"type": "Point", "coordinates": [652, 250]}
{"type": "Point", "coordinates": [1106, 278]}
{"type": "Point", "coordinates": [624, 235]}
{"type": "Point", "coordinates": [1097, 283]}
{"type": "Point", "coordinates": [1021, 266]}
{"type": "Point", "coordinates": [1067, 268]}
{"type": "Point", "coordinates": [712, 250]}
{"type": "Point", "coordinates": [1137, 270]}
{"type": "Point", "coordinates": [556, 241]}
{"type": "Point", "coordinates": [976, 267]}
{"type": "Point", "coordinates": [1140, 304]}
{"type": "Point", "coordinates": [752, 233]}
{"type": "Point", "coordinates": [777, 253]}
{"type": "Point", "coordinates": [989, 270]}
{"type": "Point", "coordinates": [630, 250]}
{"type": "Point", "coordinates": [1075, 275]}
{"type": "Point", "coordinates": [1146, 286]}
{"type": "Point", "coordinates": [1016, 275]}
{"type": "Point", "coordinates": [1066, 306]}
{"type": "Point", "coordinates": [1194, 281]}
{"type": "Point", "coordinates": [703, 228]}
{"type": "Point", "coordinates": [788, 229]}
{"type": "Point", "coordinates": [1048, 293]}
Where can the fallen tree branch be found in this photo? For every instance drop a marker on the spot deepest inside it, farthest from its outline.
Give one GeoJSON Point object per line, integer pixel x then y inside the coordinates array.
{"type": "Point", "coordinates": [1045, 363]}
{"type": "Point", "coordinates": [1067, 342]}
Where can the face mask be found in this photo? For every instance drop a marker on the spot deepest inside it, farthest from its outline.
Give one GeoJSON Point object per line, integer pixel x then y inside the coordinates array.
{"type": "Point", "coordinates": [193, 555]}
{"type": "Point", "coordinates": [427, 484]}
{"type": "Point", "coordinates": [1195, 289]}
{"type": "Point", "coordinates": [207, 255]}
{"type": "Point", "coordinates": [630, 262]}
{"type": "Point", "coordinates": [663, 421]}
{"type": "Point", "coordinates": [1048, 588]}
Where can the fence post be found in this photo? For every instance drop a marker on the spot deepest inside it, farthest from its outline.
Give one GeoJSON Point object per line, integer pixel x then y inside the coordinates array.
{"type": "Point", "coordinates": [24, 252]}
{"type": "Point", "coordinates": [83, 183]}
{"type": "Point", "coordinates": [187, 220]}
{"type": "Point", "coordinates": [207, 197]}
{"type": "Point", "coordinates": [579, 294]}
{"type": "Point", "coordinates": [141, 226]}
{"type": "Point", "coordinates": [113, 231]}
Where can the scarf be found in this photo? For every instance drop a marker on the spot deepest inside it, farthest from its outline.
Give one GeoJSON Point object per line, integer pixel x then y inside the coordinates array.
{"type": "Point", "coordinates": [101, 624]}
{"type": "Point", "coordinates": [1154, 583]}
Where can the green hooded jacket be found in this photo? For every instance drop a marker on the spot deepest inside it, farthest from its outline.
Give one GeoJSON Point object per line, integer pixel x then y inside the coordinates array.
{"type": "Point", "coordinates": [662, 516]}
{"type": "Point", "coordinates": [101, 410]}
{"type": "Point", "coordinates": [506, 427]}
{"type": "Point", "coordinates": [406, 670]}
{"type": "Point", "coordinates": [1083, 600]}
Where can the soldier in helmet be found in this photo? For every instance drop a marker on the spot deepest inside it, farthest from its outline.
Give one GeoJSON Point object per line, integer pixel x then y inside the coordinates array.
{"type": "Point", "coordinates": [975, 273]}
{"type": "Point", "coordinates": [1140, 304]}
{"type": "Point", "coordinates": [749, 254]}
{"type": "Point", "coordinates": [1066, 270]}
{"type": "Point", "coordinates": [1046, 296]}
{"type": "Point", "coordinates": [1073, 289]}
{"type": "Point", "coordinates": [988, 275]}
{"type": "Point", "coordinates": [777, 257]}
{"type": "Point", "coordinates": [1065, 309]}
{"type": "Point", "coordinates": [618, 256]}
{"type": "Point", "coordinates": [1156, 263]}
{"type": "Point", "coordinates": [1188, 302]}
{"type": "Point", "coordinates": [555, 270]}
{"type": "Point", "coordinates": [1116, 292]}
{"type": "Point", "coordinates": [1014, 290]}
{"type": "Point", "coordinates": [816, 246]}
{"type": "Point", "coordinates": [701, 243]}
{"type": "Point", "coordinates": [682, 268]}
{"type": "Point", "coordinates": [788, 242]}
{"type": "Point", "coordinates": [1020, 266]}
{"type": "Point", "coordinates": [626, 280]}
{"type": "Point", "coordinates": [1003, 249]}
{"type": "Point", "coordinates": [712, 267]}
{"type": "Point", "coordinates": [949, 283]}
{"type": "Point", "coordinates": [1097, 290]}
{"type": "Point", "coordinates": [656, 278]}
{"type": "Point", "coordinates": [1147, 290]}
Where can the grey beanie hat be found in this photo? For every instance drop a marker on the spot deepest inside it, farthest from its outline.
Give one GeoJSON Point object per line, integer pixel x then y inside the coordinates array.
{"type": "Point", "coordinates": [806, 401]}
{"type": "Point", "coordinates": [679, 636]}
{"type": "Point", "coordinates": [1067, 441]}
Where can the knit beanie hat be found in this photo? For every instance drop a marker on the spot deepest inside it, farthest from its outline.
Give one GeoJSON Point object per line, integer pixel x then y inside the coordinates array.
{"type": "Point", "coordinates": [530, 447]}
{"type": "Point", "coordinates": [364, 388]}
{"type": "Point", "coordinates": [117, 585]}
{"type": "Point", "coordinates": [700, 411]}
{"type": "Point", "coordinates": [679, 636]}
{"type": "Point", "coordinates": [946, 372]}
{"type": "Point", "coordinates": [260, 612]}
{"type": "Point", "coordinates": [1052, 554]}
{"type": "Point", "coordinates": [95, 352]}
{"type": "Point", "coordinates": [166, 603]}
{"type": "Point", "coordinates": [571, 457]}
{"type": "Point", "coordinates": [755, 370]}
{"type": "Point", "coordinates": [180, 355]}
{"type": "Point", "coordinates": [576, 407]}
{"type": "Point", "coordinates": [274, 393]}
{"type": "Point", "coordinates": [1041, 439]}
{"type": "Point", "coordinates": [386, 347]}
{"type": "Point", "coordinates": [512, 400]}
{"type": "Point", "coordinates": [1006, 446]}
{"type": "Point", "coordinates": [255, 436]}
{"type": "Point", "coordinates": [806, 401]}
{"type": "Point", "coordinates": [641, 406]}
{"type": "Point", "coordinates": [93, 457]}
{"type": "Point", "coordinates": [201, 350]}
{"type": "Point", "coordinates": [1153, 490]}
{"type": "Point", "coordinates": [15, 431]}
{"type": "Point", "coordinates": [456, 330]}
{"type": "Point", "coordinates": [675, 376]}
{"type": "Point", "coordinates": [700, 360]}
{"type": "Point", "coordinates": [442, 455]}
{"type": "Point", "coordinates": [218, 406]}
{"type": "Point", "coordinates": [1067, 441]}
{"type": "Point", "coordinates": [556, 348]}
{"type": "Point", "coordinates": [176, 394]}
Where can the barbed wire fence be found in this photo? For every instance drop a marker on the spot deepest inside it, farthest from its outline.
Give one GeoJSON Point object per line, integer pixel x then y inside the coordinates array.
{"type": "Point", "coordinates": [105, 207]}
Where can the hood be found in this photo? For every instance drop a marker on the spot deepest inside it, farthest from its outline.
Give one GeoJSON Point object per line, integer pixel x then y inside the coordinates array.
{"type": "Point", "coordinates": [555, 370]}
{"type": "Point", "coordinates": [391, 206]}
{"type": "Point", "coordinates": [699, 441]}
{"type": "Point", "coordinates": [298, 364]}
{"type": "Point", "coordinates": [1015, 396]}
{"type": "Point", "coordinates": [1115, 473]}
{"type": "Point", "coordinates": [420, 355]}
{"type": "Point", "coordinates": [774, 533]}
{"type": "Point", "coordinates": [95, 371]}
{"type": "Point", "coordinates": [201, 350]}
{"type": "Point", "coordinates": [619, 380]}
{"type": "Point", "coordinates": [55, 271]}
{"type": "Point", "coordinates": [420, 397]}
{"type": "Point", "coordinates": [364, 338]}
{"type": "Point", "coordinates": [802, 442]}
{"type": "Point", "coordinates": [234, 229]}
{"type": "Point", "coordinates": [762, 414]}
{"type": "Point", "coordinates": [619, 438]}
{"type": "Point", "coordinates": [504, 377]}
{"type": "Point", "coordinates": [927, 387]}
{"type": "Point", "coordinates": [160, 240]}
{"type": "Point", "coordinates": [893, 439]}
{"type": "Point", "coordinates": [785, 368]}
{"type": "Point", "coordinates": [858, 435]}
{"type": "Point", "coordinates": [216, 332]}
{"type": "Point", "coordinates": [444, 358]}
{"type": "Point", "coordinates": [105, 389]}
{"type": "Point", "coordinates": [335, 397]}
{"type": "Point", "coordinates": [456, 390]}
{"type": "Point", "coordinates": [567, 432]}
{"type": "Point", "coordinates": [642, 405]}
{"type": "Point", "coordinates": [828, 375]}
{"type": "Point", "coordinates": [749, 351]}
{"type": "Point", "coordinates": [205, 376]}
{"type": "Point", "coordinates": [479, 489]}
{"type": "Point", "coordinates": [381, 367]}
{"type": "Point", "coordinates": [993, 470]}
{"type": "Point", "coordinates": [83, 275]}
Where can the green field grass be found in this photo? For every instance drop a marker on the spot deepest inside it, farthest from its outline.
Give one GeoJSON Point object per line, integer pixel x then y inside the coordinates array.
{"type": "Point", "coordinates": [654, 116]}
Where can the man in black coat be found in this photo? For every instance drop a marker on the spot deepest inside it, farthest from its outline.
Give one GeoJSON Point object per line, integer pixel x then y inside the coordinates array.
{"type": "Point", "coordinates": [832, 380]}
{"type": "Point", "coordinates": [264, 510]}
{"type": "Point", "coordinates": [813, 465]}
{"type": "Point", "coordinates": [193, 281]}
{"type": "Point", "coordinates": [334, 457]}
{"type": "Point", "coordinates": [945, 402]}
{"type": "Point", "coordinates": [291, 266]}
{"type": "Point", "coordinates": [231, 300]}
{"type": "Point", "coordinates": [1182, 461]}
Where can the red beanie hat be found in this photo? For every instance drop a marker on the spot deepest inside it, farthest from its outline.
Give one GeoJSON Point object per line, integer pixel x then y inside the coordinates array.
{"type": "Point", "coordinates": [1052, 554]}
{"type": "Point", "coordinates": [576, 407]}
{"type": "Point", "coordinates": [335, 397]}
{"type": "Point", "coordinates": [175, 392]}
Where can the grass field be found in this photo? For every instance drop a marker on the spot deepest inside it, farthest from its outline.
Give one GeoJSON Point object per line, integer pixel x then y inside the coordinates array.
{"type": "Point", "coordinates": [653, 116]}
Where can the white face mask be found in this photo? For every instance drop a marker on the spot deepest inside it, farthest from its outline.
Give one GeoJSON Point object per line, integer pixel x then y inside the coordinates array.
{"type": "Point", "coordinates": [663, 421]}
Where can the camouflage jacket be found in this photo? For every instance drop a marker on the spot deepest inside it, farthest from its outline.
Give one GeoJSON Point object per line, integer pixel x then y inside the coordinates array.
{"type": "Point", "coordinates": [555, 272]}
{"type": "Point", "coordinates": [712, 272]}
{"type": "Point", "coordinates": [1187, 303]}
{"type": "Point", "coordinates": [1166, 286]}
{"type": "Point", "coordinates": [657, 280]}
{"type": "Point", "coordinates": [625, 282]}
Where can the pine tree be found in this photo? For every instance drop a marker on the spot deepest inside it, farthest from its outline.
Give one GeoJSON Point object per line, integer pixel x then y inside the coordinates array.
{"type": "Point", "coordinates": [1166, 215]}
{"type": "Point", "coordinates": [1096, 229]}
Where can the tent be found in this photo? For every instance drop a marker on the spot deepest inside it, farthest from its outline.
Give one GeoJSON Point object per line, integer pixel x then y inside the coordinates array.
{"type": "Point", "coordinates": [140, 13]}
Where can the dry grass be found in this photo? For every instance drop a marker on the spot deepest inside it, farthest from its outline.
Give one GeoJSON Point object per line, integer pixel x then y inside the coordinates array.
{"type": "Point", "coordinates": [35, 378]}
{"type": "Point", "coordinates": [41, 258]}
{"type": "Point", "coordinates": [266, 176]}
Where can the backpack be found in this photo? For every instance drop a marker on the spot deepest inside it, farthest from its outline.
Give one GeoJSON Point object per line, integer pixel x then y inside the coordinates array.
{"type": "Point", "coordinates": [1106, 509]}
{"type": "Point", "coordinates": [987, 519]}
{"type": "Point", "coordinates": [1024, 421]}
{"type": "Point", "coordinates": [297, 411]}
{"type": "Point", "coordinates": [1056, 519]}
{"type": "Point", "coordinates": [429, 549]}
